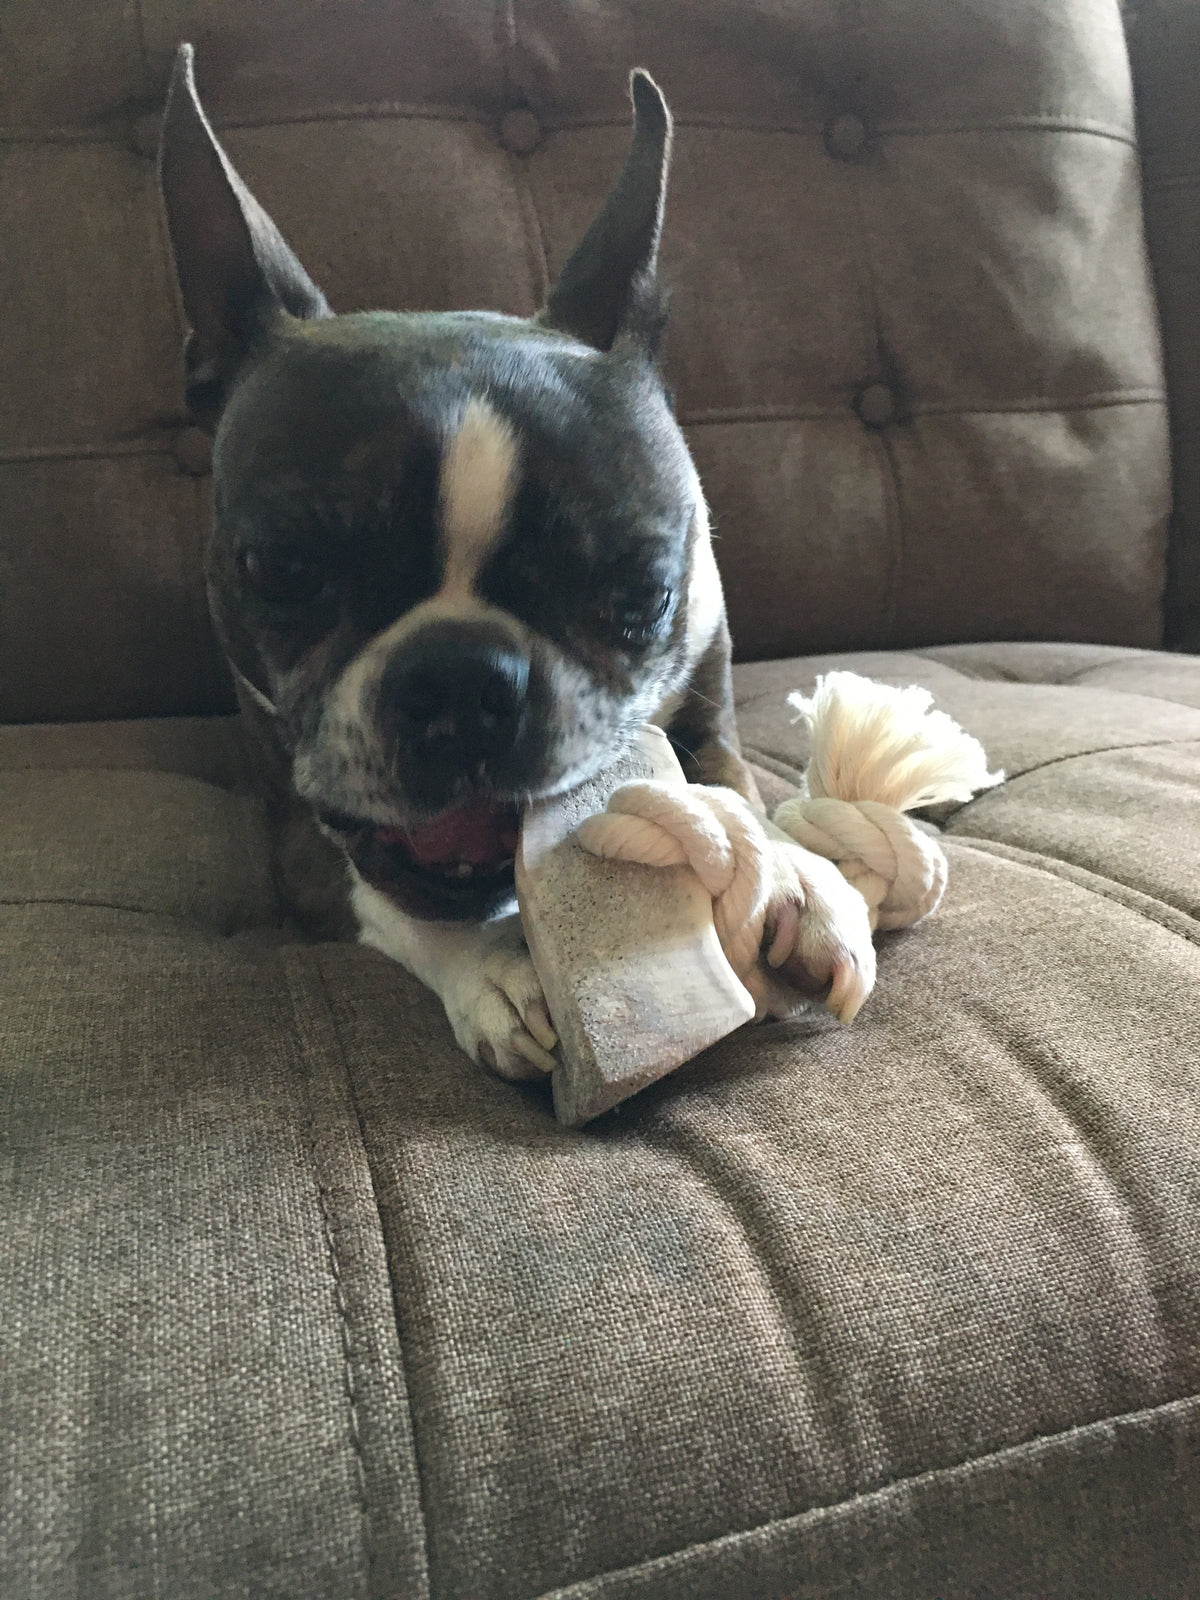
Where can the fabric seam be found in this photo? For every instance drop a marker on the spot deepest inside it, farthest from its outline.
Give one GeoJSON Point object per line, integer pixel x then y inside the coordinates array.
{"type": "Point", "coordinates": [396, 111]}
{"type": "Point", "coordinates": [289, 959]}
{"type": "Point", "coordinates": [1072, 679]}
{"type": "Point", "coordinates": [115, 449]}
{"type": "Point", "coordinates": [816, 1514]}
{"type": "Point", "coordinates": [1079, 755]}
{"type": "Point", "coordinates": [894, 507]}
{"type": "Point", "coordinates": [1147, 906]}
{"type": "Point", "coordinates": [1011, 777]}
{"type": "Point", "coordinates": [298, 956]}
{"type": "Point", "coordinates": [199, 929]}
{"type": "Point", "coordinates": [535, 236]}
{"type": "Point", "coordinates": [312, 956]}
{"type": "Point", "coordinates": [1109, 400]}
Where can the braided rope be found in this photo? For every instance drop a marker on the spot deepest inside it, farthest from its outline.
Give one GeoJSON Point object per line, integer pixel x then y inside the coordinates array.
{"type": "Point", "coordinates": [899, 871]}
{"type": "Point", "coordinates": [877, 752]}
{"type": "Point", "coordinates": [714, 832]}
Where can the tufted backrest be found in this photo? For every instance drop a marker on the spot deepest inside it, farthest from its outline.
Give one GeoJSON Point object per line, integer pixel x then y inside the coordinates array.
{"type": "Point", "coordinates": [913, 341]}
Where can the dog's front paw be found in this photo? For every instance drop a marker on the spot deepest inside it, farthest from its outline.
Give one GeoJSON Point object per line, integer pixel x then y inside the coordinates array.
{"type": "Point", "coordinates": [818, 936]}
{"type": "Point", "coordinates": [499, 1016]}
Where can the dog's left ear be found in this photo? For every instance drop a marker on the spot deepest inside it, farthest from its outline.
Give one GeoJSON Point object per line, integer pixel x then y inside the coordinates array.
{"type": "Point", "coordinates": [609, 289]}
{"type": "Point", "coordinates": [235, 268]}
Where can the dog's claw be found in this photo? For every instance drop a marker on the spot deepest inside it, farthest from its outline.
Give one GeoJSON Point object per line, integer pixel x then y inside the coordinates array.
{"type": "Point", "coordinates": [530, 1050]}
{"type": "Point", "coordinates": [499, 1014]}
{"type": "Point", "coordinates": [847, 992]}
{"type": "Point", "coordinates": [537, 1020]}
{"type": "Point", "coordinates": [787, 925]}
{"type": "Point", "coordinates": [820, 940]}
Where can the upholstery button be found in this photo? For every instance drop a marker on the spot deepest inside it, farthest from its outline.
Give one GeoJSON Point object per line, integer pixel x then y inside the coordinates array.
{"type": "Point", "coordinates": [143, 136]}
{"type": "Point", "coordinates": [845, 136]}
{"type": "Point", "coordinates": [876, 405]}
{"type": "Point", "coordinates": [520, 131]}
{"type": "Point", "coordinates": [193, 452]}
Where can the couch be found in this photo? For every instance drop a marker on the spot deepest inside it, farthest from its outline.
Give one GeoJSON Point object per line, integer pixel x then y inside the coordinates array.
{"type": "Point", "coordinates": [296, 1303]}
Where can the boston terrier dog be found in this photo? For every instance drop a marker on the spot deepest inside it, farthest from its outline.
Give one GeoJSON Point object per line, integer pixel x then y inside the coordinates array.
{"type": "Point", "coordinates": [457, 560]}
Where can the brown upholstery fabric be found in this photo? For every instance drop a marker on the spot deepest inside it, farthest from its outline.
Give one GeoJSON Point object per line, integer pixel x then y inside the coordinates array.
{"type": "Point", "coordinates": [916, 352]}
{"type": "Point", "coordinates": [1165, 39]}
{"type": "Point", "coordinates": [299, 1302]}
{"type": "Point", "coordinates": [295, 1302]}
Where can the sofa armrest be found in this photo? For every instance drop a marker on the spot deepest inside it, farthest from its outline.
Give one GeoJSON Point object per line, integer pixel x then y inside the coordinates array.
{"type": "Point", "coordinates": [1164, 40]}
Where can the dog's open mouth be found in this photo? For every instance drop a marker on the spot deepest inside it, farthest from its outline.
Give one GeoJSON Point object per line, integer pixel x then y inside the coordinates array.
{"type": "Point", "coordinates": [459, 864]}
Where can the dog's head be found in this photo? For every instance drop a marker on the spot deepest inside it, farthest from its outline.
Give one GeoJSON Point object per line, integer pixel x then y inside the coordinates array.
{"type": "Point", "coordinates": [452, 552]}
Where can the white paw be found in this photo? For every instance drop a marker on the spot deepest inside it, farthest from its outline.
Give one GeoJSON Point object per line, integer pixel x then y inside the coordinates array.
{"type": "Point", "coordinates": [498, 1013]}
{"type": "Point", "coordinates": [818, 936]}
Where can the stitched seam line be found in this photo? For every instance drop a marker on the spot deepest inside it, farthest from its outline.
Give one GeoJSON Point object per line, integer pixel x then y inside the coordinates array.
{"type": "Point", "coordinates": [1040, 1443]}
{"type": "Point", "coordinates": [1079, 755]}
{"type": "Point", "coordinates": [1168, 917]}
{"type": "Point", "coordinates": [773, 764]}
{"type": "Point", "coordinates": [813, 128]}
{"type": "Point", "coordinates": [1094, 402]}
{"type": "Point", "coordinates": [1181, 180]}
{"type": "Point", "coordinates": [535, 236]}
{"type": "Point", "coordinates": [894, 499]}
{"type": "Point", "coordinates": [200, 929]}
{"type": "Point", "coordinates": [1035, 406]}
{"type": "Point", "coordinates": [1071, 680]}
{"type": "Point", "coordinates": [311, 958]}
{"type": "Point", "coordinates": [853, 22]}
{"type": "Point", "coordinates": [289, 960]}
{"type": "Point", "coordinates": [1003, 677]}
{"type": "Point", "coordinates": [23, 455]}
{"type": "Point", "coordinates": [1077, 679]}
{"type": "Point", "coordinates": [404, 111]}
{"type": "Point", "coordinates": [139, 22]}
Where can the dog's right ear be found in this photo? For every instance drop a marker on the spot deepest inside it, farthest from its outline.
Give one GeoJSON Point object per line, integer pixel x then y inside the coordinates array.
{"type": "Point", "coordinates": [235, 269]}
{"type": "Point", "coordinates": [609, 286]}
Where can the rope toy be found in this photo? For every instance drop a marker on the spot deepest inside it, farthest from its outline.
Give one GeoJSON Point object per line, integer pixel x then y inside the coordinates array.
{"type": "Point", "coordinates": [714, 832]}
{"type": "Point", "coordinates": [877, 752]}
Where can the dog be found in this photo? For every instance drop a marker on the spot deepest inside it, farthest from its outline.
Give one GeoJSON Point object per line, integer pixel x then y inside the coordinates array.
{"type": "Point", "coordinates": [457, 559]}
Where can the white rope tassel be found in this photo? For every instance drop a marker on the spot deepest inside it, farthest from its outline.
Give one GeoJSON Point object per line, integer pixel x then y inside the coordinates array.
{"type": "Point", "coordinates": [877, 752]}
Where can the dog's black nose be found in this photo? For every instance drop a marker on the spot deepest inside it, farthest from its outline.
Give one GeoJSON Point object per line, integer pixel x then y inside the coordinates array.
{"type": "Point", "coordinates": [454, 697]}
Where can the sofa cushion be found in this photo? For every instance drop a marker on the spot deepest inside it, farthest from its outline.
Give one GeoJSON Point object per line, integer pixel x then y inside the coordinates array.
{"type": "Point", "coordinates": [300, 1302]}
{"type": "Point", "coordinates": [914, 340]}
{"type": "Point", "coordinates": [1100, 747]}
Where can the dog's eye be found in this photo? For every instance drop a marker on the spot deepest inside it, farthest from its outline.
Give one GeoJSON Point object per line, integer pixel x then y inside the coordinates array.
{"type": "Point", "coordinates": [636, 618]}
{"type": "Point", "coordinates": [287, 575]}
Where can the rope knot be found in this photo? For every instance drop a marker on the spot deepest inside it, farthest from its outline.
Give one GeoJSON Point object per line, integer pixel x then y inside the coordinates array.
{"type": "Point", "coordinates": [877, 752]}
{"type": "Point", "coordinates": [714, 832]}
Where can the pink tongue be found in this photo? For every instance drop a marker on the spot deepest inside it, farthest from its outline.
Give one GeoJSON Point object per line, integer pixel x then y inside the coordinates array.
{"type": "Point", "coordinates": [478, 833]}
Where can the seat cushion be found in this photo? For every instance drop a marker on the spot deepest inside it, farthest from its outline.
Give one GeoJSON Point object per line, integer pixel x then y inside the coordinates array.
{"type": "Point", "coordinates": [298, 1301]}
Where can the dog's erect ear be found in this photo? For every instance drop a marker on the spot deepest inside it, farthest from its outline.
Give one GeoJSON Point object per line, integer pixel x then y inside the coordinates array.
{"type": "Point", "coordinates": [235, 269]}
{"type": "Point", "coordinates": [608, 288]}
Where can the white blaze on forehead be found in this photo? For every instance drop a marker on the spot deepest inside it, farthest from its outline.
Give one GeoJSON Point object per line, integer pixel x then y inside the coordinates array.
{"type": "Point", "coordinates": [477, 481]}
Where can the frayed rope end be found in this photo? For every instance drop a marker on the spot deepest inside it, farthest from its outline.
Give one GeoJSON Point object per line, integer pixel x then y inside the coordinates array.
{"type": "Point", "coordinates": [872, 741]}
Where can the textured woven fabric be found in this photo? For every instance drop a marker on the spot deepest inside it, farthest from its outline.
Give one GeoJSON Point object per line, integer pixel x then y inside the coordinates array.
{"type": "Point", "coordinates": [914, 339]}
{"type": "Point", "coordinates": [299, 1302]}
